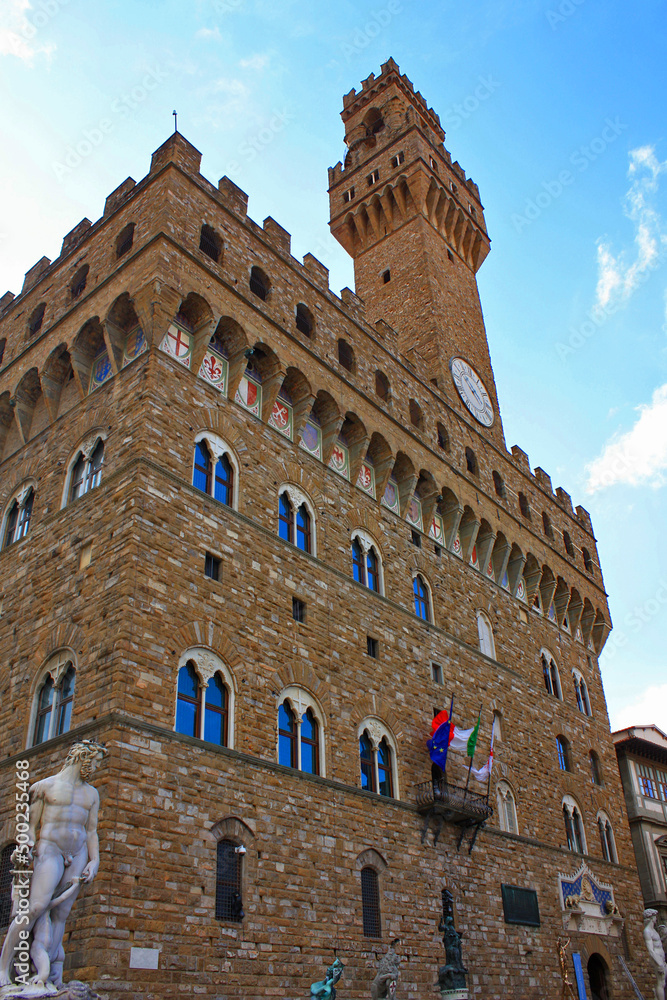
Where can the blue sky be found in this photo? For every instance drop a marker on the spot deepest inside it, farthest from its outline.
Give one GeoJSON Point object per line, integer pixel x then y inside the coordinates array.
{"type": "Point", "coordinates": [554, 107]}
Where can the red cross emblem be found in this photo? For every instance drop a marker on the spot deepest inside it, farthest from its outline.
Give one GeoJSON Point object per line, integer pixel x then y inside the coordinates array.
{"type": "Point", "coordinates": [178, 342]}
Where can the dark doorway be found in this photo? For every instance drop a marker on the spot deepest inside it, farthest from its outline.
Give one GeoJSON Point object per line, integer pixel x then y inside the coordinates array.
{"type": "Point", "coordinates": [597, 977]}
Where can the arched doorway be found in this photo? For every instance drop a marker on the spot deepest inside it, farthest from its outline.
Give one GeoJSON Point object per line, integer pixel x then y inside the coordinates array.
{"type": "Point", "coordinates": [598, 977]}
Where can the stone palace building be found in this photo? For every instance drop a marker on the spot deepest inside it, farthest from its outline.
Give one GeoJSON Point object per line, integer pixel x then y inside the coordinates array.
{"type": "Point", "coordinates": [254, 535]}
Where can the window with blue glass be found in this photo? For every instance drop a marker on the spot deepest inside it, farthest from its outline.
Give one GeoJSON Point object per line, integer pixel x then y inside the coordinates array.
{"type": "Point", "coordinates": [55, 700]}
{"type": "Point", "coordinates": [563, 750]}
{"type": "Point", "coordinates": [216, 712]}
{"type": "Point", "coordinates": [188, 701]}
{"type": "Point", "coordinates": [87, 471]}
{"type": "Point", "coordinates": [365, 563]}
{"type": "Point", "coordinates": [285, 518]}
{"type": "Point", "coordinates": [303, 528]}
{"type": "Point", "coordinates": [295, 526]}
{"type": "Point", "coordinates": [213, 471]}
{"type": "Point", "coordinates": [224, 481]}
{"type": "Point", "coordinates": [298, 738]}
{"type": "Point", "coordinates": [18, 519]}
{"type": "Point", "coordinates": [358, 562]}
{"type": "Point", "coordinates": [376, 763]}
{"type": "Point", "coordinates": [422, 605]}
{"type": "Point", "coordinates": [372, 571]}
{"type": "Point", "coordinates": [201, 477]}
{"type": "Point", "coordinates": [385, 783]}
{"type": "Point", "coordinates": [287, 736]}
{"type": "Point", "coordinates": [367, 763]}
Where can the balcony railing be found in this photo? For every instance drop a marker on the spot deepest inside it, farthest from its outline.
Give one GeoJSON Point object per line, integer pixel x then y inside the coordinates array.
{"type": "Point", "coordinates": [454, 803]}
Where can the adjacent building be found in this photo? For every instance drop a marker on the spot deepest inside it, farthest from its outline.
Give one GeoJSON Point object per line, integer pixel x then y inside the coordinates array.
{"type": "Point", "coordinates": [254, 536]}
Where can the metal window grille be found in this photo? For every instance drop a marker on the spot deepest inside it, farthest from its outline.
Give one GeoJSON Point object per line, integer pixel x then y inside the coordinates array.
{"type": "Point", "coordinates": [211, 567]}
{"type": "Point", "coordinates": [370, 902]}
{"type": "Point", "coordinates": [298, 610]}
{"type": "Point", "coordinates": [520, 906]}
{"type": "Point", "coordinates": [6, 884]}
{"type": "Point", "coordinates": [372, 646]}
{"type": "Point", "coordinates": [228, 900]}
{"type": "Point", "coordinates": [561, 746]}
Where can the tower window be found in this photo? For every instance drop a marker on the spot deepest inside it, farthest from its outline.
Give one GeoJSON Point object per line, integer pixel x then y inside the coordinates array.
{"type": "Point", "coordinates": [36, 320]}
{"type": "Point", "coordinates": [298, 610]}
{"type": "Point", "coordinates": [79, 281]}
{"type": "Point", "coordinates": [436, 673]}
{"type": "Point", "coordinates": [416, 538]}
{"type": "Point", "coordinates": [499, 485]}
{"type": "Point", "coordinates": [450, 255]}
{"type": "Point", "coordinates": [386, 277]}
{"type": "Point", "coordinates": [524, 506]}
{"type": "Point", "coordinates": [563, 748]}
{"type": "Point", "coordinates": [398, 159]}
{"type": "Point", "coordinates": [471, 462]}
{"type": "Point", "coordinates": [382, 386]}
{"type": "Point", "coordinates": [546, 524]}
{"type": "Point", "coordinates": [373, 178]}
{"type": "Point", "coordinates": [416, 415]}
{"type": "Point", "coordinates": [443, 438]}
{"type": "Point", "coordinates": [345, 355]}
{"type": "Point", "coordinates": [567, 542]}
{"type": "Point", "coordinates": [434, 165]}
{"type": "Point", "coordinates": [473, 210]}
{"type": "Point", "coordinates": [348, 195]}
{"type": "Point", "coordinates": [372, 647]}
{"type": "Point", "coordinates": [453, 187]}
{"type": "Point", "coordinates": [259, 283]}
{"type": "Point", "coordinates": [125, 240]}
{"type": "Point", "coordinates": [588, 562]}
{"type": "Point", "coordinates": [304, 320]}
{"type": "Point", "coordinates": [210, 243]}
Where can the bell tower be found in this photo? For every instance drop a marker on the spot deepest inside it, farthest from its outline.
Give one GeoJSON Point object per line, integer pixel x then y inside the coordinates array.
{"type": "Point", "coordinates": [414, 225]}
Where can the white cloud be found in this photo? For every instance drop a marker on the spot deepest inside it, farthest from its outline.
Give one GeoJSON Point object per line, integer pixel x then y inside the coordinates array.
{"type": "Point", "coordinates": [638, 457]}
{"type": "Point", "coordinates": [254, 62]}
{"type": "Point", "coordinates": [620, 274]}
{"type": "Point", "coordinates": [213, 33]}
{"type": "Point", "coordinates": [18, 33]}
{"type": "Point", "coordinates": [648, 709]}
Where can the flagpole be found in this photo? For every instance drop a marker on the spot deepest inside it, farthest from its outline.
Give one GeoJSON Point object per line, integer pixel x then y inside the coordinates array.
{"type": "Point", "coordinates": [479, 717]}
{"type": "Point", "coordinates": [451, 713]}
{"type": "Point", "coordinates": [488, 784]}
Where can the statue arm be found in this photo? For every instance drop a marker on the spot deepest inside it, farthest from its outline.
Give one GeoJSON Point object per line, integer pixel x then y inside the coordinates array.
{"type": "Point", "coordinates": [90, 871]}
{"type": "Point", "coordinates": [36, 810]}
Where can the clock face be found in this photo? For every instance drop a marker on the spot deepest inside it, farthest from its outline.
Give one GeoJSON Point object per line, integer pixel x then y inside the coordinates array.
{"type": "Point", "coordinates": [472, 391]}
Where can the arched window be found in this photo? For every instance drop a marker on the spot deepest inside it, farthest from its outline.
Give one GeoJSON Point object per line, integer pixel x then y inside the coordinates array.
{"type": "Point", "coordinates": [471, 462]}
{"type": "Point", "coordinates": [596, 773]}
{"type": "Point", "coordinates": [305, 323]}
{"type": "Point", "coordinates": [563, 750]}
{"type": "Point", "coordinates": [377, 759]}
{"type": "Point", "coordinates": [214, 469]}
{"type": "Point", "coordinates": [607, 842]}
{"type": "Point", "coordinates": [86, 471]}
{"type": "Point", "coordinates": [443, 438]}
{"type": "Point", "coordinates": [366, 561]}
{"type": "Point", "coordinates": [6, 865]}
{"type": "Point", "coordinates": [546, 525]}
{"type": "Point", "coordinates": [506, 808]}
{"type": "Point", "coordinates": [228, 898]}
{"type": "Point", "coordinates": [370, 903]}
{"type": "Point", "coordinates": [550, 675]}
{"type": "Point", "coordinates": [36, 319]}
{"type": "Point", "coordinates": [287, 736]}
{"type": "Point", "coordinates": [382, 386]}
{"type": "Point", "coordinates": [295, 521]}
{"type": "Point", "coordinates": [581, 694]}
{"type": "Point", "coordinates": [567, 542]}
{"type": "Point", "coordinates": [259, 283]}
{"type": "Point", "coordinates": [588, 562]}
{"type": "Point", "coordinates": [421, 595]}
{"type": "Point", "coordinates": [78, 283]}
{"type": "Point", "coordinates": [300, 735]}
{"type": "Point", "coordinates": [485, 632]}
{"type": "Point", "coordinates": [416, 415]}
{"type": "Point", "coordinates": [524, 506]}
{"type": "Point", "coordinates": [499, 485]}
{"type": "Point", "coordinates": [346, 355]}
{"type": "Point", "coordinates": [574, 827]}
{"type": "Point", "coordinates": [125, 240]}
{"type": "Point", "coordinates": [3, 344]}
{"type": "Point", "coordinates": [188, 701]}
{"type": "Point", "coordinates": [54, 699]}
{"type": "Point", "coordinates": [210, 243]}
{"type": "Point", "coordinates": [204, 702]}
{"type": "Point", "coordinates": [18, 517]}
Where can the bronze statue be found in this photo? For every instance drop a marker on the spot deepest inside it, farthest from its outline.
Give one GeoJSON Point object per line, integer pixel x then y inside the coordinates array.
{"type": "Point", "coordinates": [568, 992]}
{"type": "Point", "coordinates": [383, 986]}
{"type": "Point", "coordinates": [325, 990]}
{"type": "Point", "coordinates": [451, 976]}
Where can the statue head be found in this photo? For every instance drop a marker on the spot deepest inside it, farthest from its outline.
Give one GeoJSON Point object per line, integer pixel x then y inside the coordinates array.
{"type": "Point", "coordinates": [87, 753]}
{"type": "Point", "coordinates": [649, 916]}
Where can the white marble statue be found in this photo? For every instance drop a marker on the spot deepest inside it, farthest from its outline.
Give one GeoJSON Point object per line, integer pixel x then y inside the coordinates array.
{"type": "Point", "coordinates": [656, 951]}
{"type": "Point", "coordinates": [63, 808]}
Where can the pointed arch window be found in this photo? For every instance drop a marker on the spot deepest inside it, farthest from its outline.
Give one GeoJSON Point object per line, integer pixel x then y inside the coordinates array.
{"type": "Point", "coordinates": [216, 712]}
{"type": "Point", "coordinates": [607, 842]}
{"type": "Point", "coordinates": [201, 478]}
{"type": "Point", "coordinates": [485, 632]}
{"type": "Point", "coordinates": [224, 480]}
{"type": "Point", "coordinates": [367, 763]}
{"type": "Point", "coordinates": [563, 751]}
{"type": "Point", "coordinates": [384, 764]}
{"type": "Point", "coordinates": [310, 743]}
{"type": "Point", "coordinates": [300, 737]}
{"type": "Point", "coordinates": [581, 694]}
{"type": "Point", "coordinates": [376, 759]}
{"type": "Point", "coordinates": [506, 808]}
{"type": "Point", "coordinates": [285, 518]}
{"type": "Point", "coordinates": [421, 596]}
{"type": "Point", "coordinates": [357, 561]}
{"type": "Point", "coordinates": [596, 773]}
{"type": "Point", "coordinates": [204, 707]}
{"type": "Point", "coordinates": [303, 528]}
{"type": "Point", "coordinates": [188, 701]}
{"type": "Point", "coordinates": [574, 827]}
{"type": "Point", "coordinates": [86, 472]}
{"type": "Point", "coordinates": [366, 561]}
{"type": "Point", "coordinates": [213, 470]}
{"type": "Point", "coordinates": [295, 523]}
{"type": "Point", "coordinates": [18, 518]}
{"type": "Point", "coordinates": [54, 703]}
{"type": "Point", "coordinates": [372, 571]}
{"type": "Point", "coordinates": [551, 677]}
